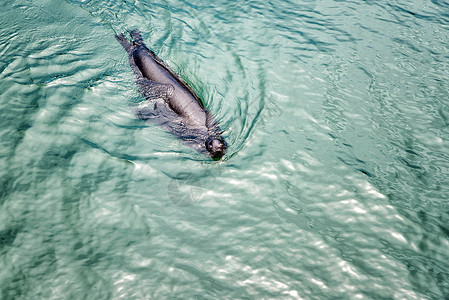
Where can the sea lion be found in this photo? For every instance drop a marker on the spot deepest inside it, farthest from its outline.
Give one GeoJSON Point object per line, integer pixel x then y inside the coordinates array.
{"type": "Point", "coordinates": [170, 101]}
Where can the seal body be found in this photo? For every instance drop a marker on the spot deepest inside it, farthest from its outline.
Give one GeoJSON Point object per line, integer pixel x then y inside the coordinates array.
{"type": "Point", "coordinates": [170, 101]}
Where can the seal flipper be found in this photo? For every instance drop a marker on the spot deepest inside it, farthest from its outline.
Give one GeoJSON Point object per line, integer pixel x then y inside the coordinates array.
{"type": "Point", "coordinates": [155, 90]}
{"type": "Point", "coordinates": [136, 36]}
{"type": "Point", "coordinates": [124, 42]}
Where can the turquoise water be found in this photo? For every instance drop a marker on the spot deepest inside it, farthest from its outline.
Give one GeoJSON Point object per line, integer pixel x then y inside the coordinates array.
{"type": "Point", "coordinates": [335, 185]}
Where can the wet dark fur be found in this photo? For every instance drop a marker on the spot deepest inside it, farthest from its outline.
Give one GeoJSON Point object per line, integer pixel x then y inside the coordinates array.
{"type": "Point", "coordinates": [171, 102]}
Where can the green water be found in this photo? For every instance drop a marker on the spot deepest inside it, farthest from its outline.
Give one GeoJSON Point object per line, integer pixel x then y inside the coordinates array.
{"type": "Point", "coordinates": [335, 184]}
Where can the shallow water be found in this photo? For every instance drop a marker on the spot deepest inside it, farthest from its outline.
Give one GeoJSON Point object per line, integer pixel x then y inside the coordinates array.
{"type": "Point", "coordinates": [335, 184]}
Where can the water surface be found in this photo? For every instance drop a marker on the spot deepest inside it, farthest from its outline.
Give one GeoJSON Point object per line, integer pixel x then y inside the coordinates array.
{"type": "Point", "coordinates": [335, 184]}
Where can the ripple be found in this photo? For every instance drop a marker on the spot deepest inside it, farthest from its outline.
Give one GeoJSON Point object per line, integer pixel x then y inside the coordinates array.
{"type": "Point", "coordinates": [334, 186]}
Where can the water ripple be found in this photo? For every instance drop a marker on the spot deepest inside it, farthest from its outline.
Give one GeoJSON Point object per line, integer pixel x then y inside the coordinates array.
{"type": "Point", "coordinates": [335, 183]}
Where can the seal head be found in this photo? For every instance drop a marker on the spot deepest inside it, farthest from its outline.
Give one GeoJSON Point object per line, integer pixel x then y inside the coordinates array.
{"type": "Point", "coordinates": [216, 147]}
